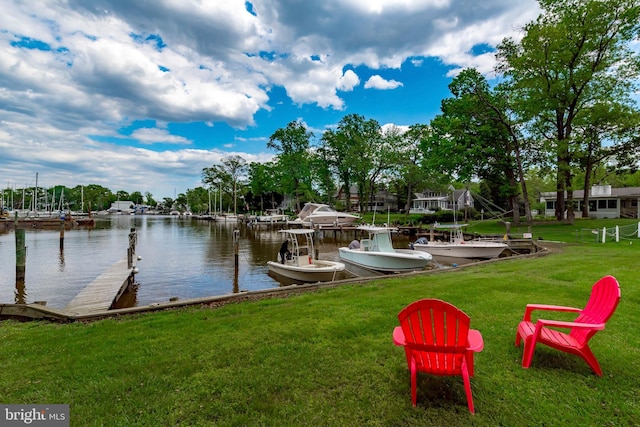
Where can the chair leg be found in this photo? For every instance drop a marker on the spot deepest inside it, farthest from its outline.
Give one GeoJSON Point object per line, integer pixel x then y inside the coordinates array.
{"type": "Point", "coordinates": [469, 362]}
{"type": "Point", "coordinates": [518, 338]}
{"type": "Point", "coordinates": [467, 387]}
{"type": "Point", "coordinates": [414, 382]}
{"type": "Point", "coordinates": [588, 356]}
{"type": "Point", "coordinates": [529, 350]}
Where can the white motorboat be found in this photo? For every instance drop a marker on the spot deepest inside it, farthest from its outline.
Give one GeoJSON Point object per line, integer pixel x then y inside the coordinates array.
{"type": "Point", "coordinates": [457, 247]}
{"type": "Point", "coordinates": [324, 215]}
{"type": "Point", "coordinates": [272, 215]}
{"type": "Point", "coordinates": [301, 264]}
{"type": "Point", "coordinates": [377, 253]}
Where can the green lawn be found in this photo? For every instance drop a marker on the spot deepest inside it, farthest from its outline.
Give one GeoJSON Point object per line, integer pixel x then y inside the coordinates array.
{"type": "Point", "coordinates": [327, 357]}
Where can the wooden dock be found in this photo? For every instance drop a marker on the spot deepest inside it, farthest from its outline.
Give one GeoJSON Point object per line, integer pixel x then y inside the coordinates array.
{"type": "Point", "coordinates": [100, 294]}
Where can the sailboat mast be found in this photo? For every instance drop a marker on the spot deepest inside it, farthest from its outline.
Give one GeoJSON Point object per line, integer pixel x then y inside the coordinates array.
{"type": "Point", "coordinates": [35, 202]}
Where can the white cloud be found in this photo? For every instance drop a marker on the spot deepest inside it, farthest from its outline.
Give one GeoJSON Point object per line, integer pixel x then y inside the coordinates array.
{"type": "Point", "coordinates": [377, 82]}
{"type": "Point", "coordinates": [348, 81]}
{"type": "Point", "coordinates": [148, 136]}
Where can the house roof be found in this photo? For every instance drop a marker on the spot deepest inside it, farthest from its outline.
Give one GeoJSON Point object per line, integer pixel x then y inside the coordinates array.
{"type": "Point", "coordinates": [615, 192]}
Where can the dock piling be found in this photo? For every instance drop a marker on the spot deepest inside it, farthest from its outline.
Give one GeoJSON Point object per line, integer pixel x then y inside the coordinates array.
{"type": "Point", "coordinates": [62, 231]}
{"type": "Point", "coordinates": [21, 254]}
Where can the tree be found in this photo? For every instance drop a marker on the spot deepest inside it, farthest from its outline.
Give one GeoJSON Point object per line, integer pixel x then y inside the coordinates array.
{"type": "Point", "coordinates": [411, 176]}
{"type": "Point", "coordinates": [226, 176]}
{"type": "Point", "coordinates": [293, 160]}
{"type": "Point", "coordinates": [262, 182]}
{"type": "Point", "coordinates": [617, 126]}
{"type": "Point", "coordinates": [97, 197]}
{"type": "Point", "coordinates": [576, 54]}
{"type": "Point", "coordinates": [198, 200]}
{"type": "Point", "coordinates": [322, 173]}
{"type": "Point", "coordinates": [476, 136]}
{"type": "Point", "coordinates": [137, 197]}
{"type": "Point", "coordinates": [350, 150]}
{"type": "Point", "coordinates": [149, 199]}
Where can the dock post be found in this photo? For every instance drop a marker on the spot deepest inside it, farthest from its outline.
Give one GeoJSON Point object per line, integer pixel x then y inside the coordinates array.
{"type": "Point", "coordinates": [236, 244]}
{"type": "Point", "coordinates": [131, 250]}
{"type": "Point", "coordinates": [315, 242]}
{"type": "Point", "coordinates": [62, 231]}
{"type": "Point", "coordinates": [21, 254]}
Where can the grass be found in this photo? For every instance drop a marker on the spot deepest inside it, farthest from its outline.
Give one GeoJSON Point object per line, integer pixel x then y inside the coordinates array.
{"type": "Point", "coordinates": [327, 358]}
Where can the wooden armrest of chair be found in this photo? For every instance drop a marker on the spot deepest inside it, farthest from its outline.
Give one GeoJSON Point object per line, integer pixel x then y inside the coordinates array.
{"type": "Point", "coordinates": [398, 336]}
{"type": "Point", "coordinates": [562, 324]}
{"type": "Point", "coordinates": [560, 308]}
{"type": "Point", "coordinates": [476, 343]}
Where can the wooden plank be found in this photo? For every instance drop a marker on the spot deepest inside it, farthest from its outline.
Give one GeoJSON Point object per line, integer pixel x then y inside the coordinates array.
{"type": "Point", "coordinates": [100, 294]}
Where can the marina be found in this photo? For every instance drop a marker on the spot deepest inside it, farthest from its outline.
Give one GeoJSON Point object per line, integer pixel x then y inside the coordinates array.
{"type": "Point", "coordinates": [182, 259]}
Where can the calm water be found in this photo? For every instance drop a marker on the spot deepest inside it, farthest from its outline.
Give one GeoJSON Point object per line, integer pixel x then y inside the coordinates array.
{"type": "Point", "coordinates": [181, 258]}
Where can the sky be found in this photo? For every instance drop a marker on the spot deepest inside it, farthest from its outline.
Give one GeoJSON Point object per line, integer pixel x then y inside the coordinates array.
{"type": "Point", "coordinates": [141, 95]}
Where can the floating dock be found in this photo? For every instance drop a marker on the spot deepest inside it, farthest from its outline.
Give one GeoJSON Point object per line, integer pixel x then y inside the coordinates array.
{"type": "Point", "coordinates": [101, 294]}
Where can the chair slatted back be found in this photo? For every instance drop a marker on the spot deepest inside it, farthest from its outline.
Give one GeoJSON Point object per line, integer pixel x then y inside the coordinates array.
{"type": "Point", "coordinates": [605, 296]}
{"type": "Point", "coordinates": [436, 333]}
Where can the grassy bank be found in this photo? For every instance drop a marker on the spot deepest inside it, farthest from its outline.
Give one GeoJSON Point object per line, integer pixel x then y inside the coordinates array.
{"type": "Point", "coordinates": [327, 358]}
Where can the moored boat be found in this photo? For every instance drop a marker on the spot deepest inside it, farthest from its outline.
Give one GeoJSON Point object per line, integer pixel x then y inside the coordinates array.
{"type": "Point", "coordinates": [324, 215]}
{"type": "Point", "coordinates": [457, 247]}
{"type": "Point", "coordinates": [299, 262]}
{"type": "Point", "coordinates": [378, 254]}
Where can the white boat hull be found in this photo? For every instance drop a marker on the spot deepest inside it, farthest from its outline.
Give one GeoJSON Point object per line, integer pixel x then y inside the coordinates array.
{"type": "Point", "coordinates": [386, 262]}
{"type": "Point", "coordinates": [472, 250]}
{"type": "Point", "coordinates": [318, 271]}
{"type": "Point", "coordinates": [324, 215]}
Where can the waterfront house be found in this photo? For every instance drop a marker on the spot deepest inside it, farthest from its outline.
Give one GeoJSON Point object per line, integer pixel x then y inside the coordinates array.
{"type": "Point", "coordinates": [604, 202]}
{"type": "Point", "coordinates": [121, 207]}
{"type": "Point", "coordinates": [429, 201]}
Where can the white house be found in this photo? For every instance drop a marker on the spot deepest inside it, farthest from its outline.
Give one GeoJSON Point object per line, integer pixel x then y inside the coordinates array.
{"type": "Point", "coordinates": [430, 201]}
{"type": "Point", "coordinates": [124, 207]}
{"type": "Point", "coordinates": [604, 202]}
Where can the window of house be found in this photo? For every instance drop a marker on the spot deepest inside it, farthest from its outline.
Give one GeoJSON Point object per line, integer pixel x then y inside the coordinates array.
{"type": "Point", "coordinates": [602, 204]}
{"type": "Point", "coordinates": [551, 205]}
{"type": "Point", "coordinates": [612, 204]}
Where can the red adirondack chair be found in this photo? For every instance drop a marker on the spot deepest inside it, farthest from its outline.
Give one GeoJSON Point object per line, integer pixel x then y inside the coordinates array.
{"type": "Point", "coordinates": [437, 340]}
{"type": "Point", "coordinates": [604, 299]}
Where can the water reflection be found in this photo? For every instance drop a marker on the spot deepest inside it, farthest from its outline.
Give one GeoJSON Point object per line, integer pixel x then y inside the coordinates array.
{"type": "Point", "coordinates": [21, 291]}
{"type": "Point", "coordinates": [61, 261]}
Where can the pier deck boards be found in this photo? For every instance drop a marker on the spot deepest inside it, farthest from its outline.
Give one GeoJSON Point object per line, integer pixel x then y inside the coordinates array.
{"type": "Point", "coordinates": [100, 294]}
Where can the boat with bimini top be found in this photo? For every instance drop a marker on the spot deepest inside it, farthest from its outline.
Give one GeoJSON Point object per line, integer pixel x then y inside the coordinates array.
{"type": "Point", "coordinates": [378, 254]}
{"type": "Point", "coordinates": [297, 261]}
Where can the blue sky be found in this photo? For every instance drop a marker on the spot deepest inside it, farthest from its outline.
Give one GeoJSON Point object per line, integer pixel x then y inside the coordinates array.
{"type": "Point", "coordinates": [141, 95]}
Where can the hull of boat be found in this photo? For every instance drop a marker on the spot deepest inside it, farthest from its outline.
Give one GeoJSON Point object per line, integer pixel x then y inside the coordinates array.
{"type": "Point", "coordinates": [319, 271]}
{"type": "Point", "coordinates": [386, 262]}
{"type": "Point", "coordinates": [332, 220]}
{"type": "Point", "coordinates": [476, 250]}
{"type": "Point", "coordinates": [324, 221]}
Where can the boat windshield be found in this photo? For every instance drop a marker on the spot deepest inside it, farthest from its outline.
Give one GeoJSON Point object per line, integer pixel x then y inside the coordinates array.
{"type": "Point", "coordinates": [382, 241]}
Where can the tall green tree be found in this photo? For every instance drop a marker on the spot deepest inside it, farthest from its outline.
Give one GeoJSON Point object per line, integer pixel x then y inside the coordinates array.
{"type": "Point", "coordinates": [410, 176]}
{"type": "Point", "coordinates": [227, 176]}
{"type": "Point", "coordinates": [323, 174]}
{"type": "Point", "coordinates": [351, 150]}
{"type": "Point", "coordinates": [575, 54]}
{"type": "Point", "coordinates": [263, 180]}
{"type": "Point", "coordinates": [293, 159]}
{"type": "Point", "coordinates": [475, 136]}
